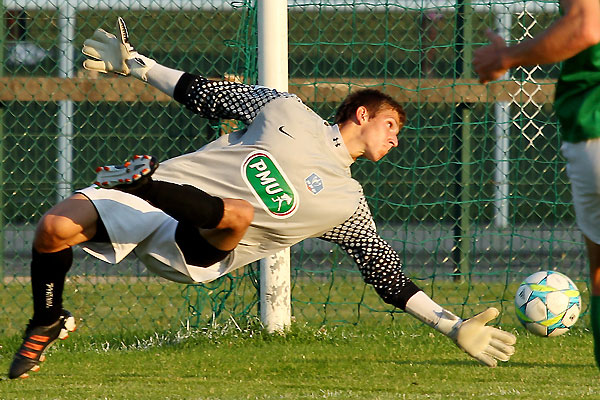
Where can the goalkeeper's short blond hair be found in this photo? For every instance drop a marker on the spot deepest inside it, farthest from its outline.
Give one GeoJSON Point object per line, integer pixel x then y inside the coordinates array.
{"type": "Point", "coordinates": [373, 100]}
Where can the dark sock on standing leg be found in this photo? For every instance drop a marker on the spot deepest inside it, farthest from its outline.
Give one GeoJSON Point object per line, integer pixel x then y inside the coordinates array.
{"type": "Point", "coordinates": [595, 319]}
{"type": "Point", "coordinates": [48, 273]}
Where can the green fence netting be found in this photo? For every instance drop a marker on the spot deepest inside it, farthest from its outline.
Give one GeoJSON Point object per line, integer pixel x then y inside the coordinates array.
{"type": "Point", "coordinates": [474, 198]}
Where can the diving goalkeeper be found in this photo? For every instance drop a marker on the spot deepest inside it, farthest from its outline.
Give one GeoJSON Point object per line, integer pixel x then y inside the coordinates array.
{"type": "Point", "coordinates": [284, 178]}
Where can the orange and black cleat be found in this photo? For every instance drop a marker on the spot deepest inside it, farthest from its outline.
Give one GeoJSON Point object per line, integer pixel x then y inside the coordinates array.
{"type": "Point", "coordinates": [35, 341]}
{"type": "Point", "coordinates": [130, 173]}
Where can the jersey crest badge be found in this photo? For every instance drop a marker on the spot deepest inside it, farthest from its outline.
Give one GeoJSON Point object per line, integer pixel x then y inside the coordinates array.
{"type": "Point", "coordinates": [269, 184]}
{"type": "Point", "coordinates": [314, 183]}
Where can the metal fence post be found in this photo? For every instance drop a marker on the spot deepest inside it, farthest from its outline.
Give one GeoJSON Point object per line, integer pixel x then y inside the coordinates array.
{"type": "Point", "coordinates": [66, 22]}
{"type": "Point", "coordinates": [2, 222]}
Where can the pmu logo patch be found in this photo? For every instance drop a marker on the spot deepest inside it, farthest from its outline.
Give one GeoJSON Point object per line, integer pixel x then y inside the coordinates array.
{"type": "Point", "coordinates": [314, 183]}
{"type": "Point", "coordinates": [269, 184]}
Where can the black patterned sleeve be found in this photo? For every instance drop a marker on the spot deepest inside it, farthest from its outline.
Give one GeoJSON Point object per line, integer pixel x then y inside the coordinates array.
{"type": "Point", "coordinates": [223, 99]}
{"type": "Point", "coordinates": [377, 260]}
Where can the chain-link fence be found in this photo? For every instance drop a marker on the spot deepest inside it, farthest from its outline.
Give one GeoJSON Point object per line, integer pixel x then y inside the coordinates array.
{"type": "Point", "coordinates": [474, 198]}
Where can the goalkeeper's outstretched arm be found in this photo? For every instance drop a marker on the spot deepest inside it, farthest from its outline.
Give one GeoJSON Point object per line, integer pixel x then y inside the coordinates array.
{"type": "Point", "coordinates": [380, 266]}
{"type": "Point", "coordinates": [211, 99]}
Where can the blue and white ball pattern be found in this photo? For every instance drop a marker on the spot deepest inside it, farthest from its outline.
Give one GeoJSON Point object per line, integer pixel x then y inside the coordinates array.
{"type": "Point", "coordinates": [548, 303]}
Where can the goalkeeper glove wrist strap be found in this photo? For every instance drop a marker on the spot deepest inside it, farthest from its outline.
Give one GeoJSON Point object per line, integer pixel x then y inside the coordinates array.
{"type": "Point", "coordinates": [428, 311]}
{"type": "Point", "coordinates": [448, 324]}
{"type": "Point", "coordinates": [140, 65]}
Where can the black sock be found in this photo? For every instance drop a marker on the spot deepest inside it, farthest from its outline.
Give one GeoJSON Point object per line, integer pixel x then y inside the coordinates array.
{"type": "Point", "coordinates": [48, 272]}
{"type": "Point", "coordinates": [185, 203]}
{"type": "Point", "coordinates": [595, 318]}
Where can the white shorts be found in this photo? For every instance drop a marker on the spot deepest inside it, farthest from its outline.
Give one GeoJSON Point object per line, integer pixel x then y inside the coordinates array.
{"type": "Point", "coordinates": [583, 170]}
{"type": "Point", "coordinates": [134, 225]}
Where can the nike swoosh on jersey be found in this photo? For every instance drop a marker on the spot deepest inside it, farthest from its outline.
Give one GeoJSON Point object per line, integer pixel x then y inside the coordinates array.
{"type": "Point", "coordinates": [284, 132]}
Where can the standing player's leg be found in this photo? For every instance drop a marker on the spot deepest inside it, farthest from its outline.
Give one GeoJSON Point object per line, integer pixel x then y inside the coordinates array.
{"type": "Point", "coordinates": [583, 170]}
{"type": "Point", "coordinates": [209, 227]}
{"type": "Point", "coordinates": [593, 250]}
{"type": "Point", "coordinates": [70, 222]}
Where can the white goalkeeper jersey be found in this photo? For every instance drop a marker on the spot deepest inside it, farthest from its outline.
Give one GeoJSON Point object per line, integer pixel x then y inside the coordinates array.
{"type": "Point", "coordinates": [293, 167]}
{"type": "Point", "coordinates": [289, 164]}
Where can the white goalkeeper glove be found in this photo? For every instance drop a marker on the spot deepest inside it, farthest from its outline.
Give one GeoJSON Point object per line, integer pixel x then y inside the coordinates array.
{"type": "Point", "coordinates": [108, 53]}
{"type": "Point", "coordinates": [484, 343]}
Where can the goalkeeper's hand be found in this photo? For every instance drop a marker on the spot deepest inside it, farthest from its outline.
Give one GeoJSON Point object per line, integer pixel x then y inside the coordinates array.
{"type": "Point", "coordinates": [109, 53]}
{"type": "Point", "coordinates": [484, 343]}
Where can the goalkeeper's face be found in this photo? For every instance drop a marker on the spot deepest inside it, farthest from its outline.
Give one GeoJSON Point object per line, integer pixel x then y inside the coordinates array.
{"type": "Point", "coordinates": [380, 134]}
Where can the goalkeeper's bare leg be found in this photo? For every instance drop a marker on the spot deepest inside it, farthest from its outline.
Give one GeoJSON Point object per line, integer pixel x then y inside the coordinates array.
{"type": "Point", "coordinates": [75, 220]}
{"type": "Point", "coordinates": [68, 223]}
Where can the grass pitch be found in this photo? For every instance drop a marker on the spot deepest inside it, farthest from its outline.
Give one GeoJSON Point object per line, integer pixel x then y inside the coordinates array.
{"type": "Point", "coordinates": [240, 361]}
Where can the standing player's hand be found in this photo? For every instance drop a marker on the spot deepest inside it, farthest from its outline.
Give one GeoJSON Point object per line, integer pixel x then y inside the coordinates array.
{"type": "Point", "coordinates": [109, 53]}
{"type": "Point", "coordinates": [489, 61]}
{"type": "Point", "coordinates": [485, 343]}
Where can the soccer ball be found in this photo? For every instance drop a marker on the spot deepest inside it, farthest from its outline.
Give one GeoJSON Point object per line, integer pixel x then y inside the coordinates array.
{"type": "Point", "coordinates": [547, 303]}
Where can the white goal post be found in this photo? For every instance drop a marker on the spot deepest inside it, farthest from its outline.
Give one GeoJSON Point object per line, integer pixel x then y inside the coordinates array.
{"type": "Point", "coordinates": [275, 272]}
